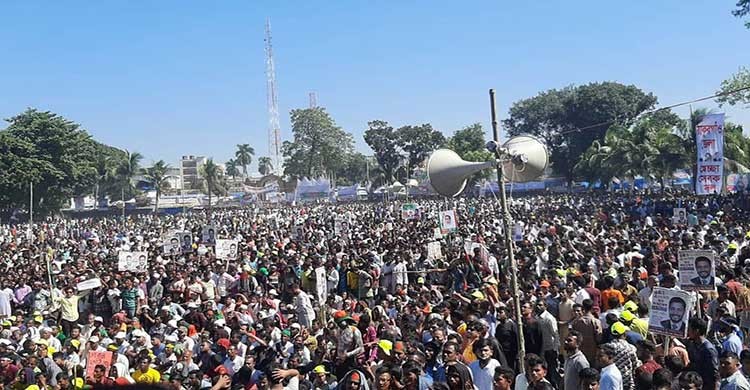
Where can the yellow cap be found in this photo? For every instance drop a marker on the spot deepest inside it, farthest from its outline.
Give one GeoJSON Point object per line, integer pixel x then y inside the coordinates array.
{"type": "Point", "coordinates": [320, 369]}
{"type": "Point", "coordinates": [627, 316]}
{"type": "Point", "coordinates": [386, 346]}
{"type": "Point", "coordinates": [75, 343]}
{"type": "Point", "coordinates": [478, 295]}
{"type": "Point", "coordinates": [630, 306]}
{"type": "Point", "coordinates": [618, 328]}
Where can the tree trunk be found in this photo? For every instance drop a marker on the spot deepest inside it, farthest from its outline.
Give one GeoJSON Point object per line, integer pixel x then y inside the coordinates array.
{"type": "Point", "coordinates": [156, 205]}
{"type": "Point", "coordinates": [663, 183]}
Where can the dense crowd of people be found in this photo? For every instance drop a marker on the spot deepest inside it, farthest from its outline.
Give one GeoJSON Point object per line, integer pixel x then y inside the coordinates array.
{"type": "Point", "coordinates": [354, 296]}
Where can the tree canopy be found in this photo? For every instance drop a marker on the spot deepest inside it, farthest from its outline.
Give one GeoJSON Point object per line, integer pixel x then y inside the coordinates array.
{"type": "Point", "coordinates": [742, 10]}
{"type": "Point", "coordinates": [737, 81]}
{"type": "Point", "coordinates": [569, 120]}
{"type": "Point", "coordinates": [319, 147]}
{"type": "Point", "coordinates": [50, 151]}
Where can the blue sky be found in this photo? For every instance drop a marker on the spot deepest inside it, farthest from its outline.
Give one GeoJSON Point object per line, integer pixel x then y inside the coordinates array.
{"type": "Point", "coordinates": [168, 78]}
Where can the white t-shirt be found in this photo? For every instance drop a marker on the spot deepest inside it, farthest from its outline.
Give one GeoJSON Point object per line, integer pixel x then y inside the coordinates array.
{"type": "Point", "coordinates": [483, 376]}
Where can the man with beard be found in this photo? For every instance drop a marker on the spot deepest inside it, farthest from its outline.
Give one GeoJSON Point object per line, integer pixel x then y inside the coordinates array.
{"type": "Point", "coordinates": [677, 307]}
{"type": "Point", "coordinates": [575, 362]}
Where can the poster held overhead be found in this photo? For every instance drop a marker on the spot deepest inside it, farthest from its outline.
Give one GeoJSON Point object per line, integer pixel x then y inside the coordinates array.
{"type": "Point", "coordinates": [226, 249]}
{"type": "Point", "coordinates": [208, 233]}
{"type": "Point", "coordinates": [186, 242]}
{"type": "Point", "coordinates": [132, 261]}
{"type": "Point", "coordinates": [448, 221]}
{"type": "Point", "coordinates": [679, 216]}
{"type": "Point", "coordinates": [697, 270]}
{"type": "Point", "coordinates": [410, 211]}
{"type": "Point", "coordinates": [172, 246]}
{"type": "Point", "coordinates": [670, 310]}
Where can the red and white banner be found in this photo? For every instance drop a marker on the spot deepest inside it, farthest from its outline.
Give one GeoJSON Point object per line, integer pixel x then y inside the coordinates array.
{"type": "Point", "coordinates": [709, 139]}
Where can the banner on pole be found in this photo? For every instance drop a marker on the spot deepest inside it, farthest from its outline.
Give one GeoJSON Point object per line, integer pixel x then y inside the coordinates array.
{"type": "Point", "coordinates": [709, 144]}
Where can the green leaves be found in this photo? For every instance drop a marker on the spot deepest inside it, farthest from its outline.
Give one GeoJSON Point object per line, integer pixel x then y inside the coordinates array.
{"type": "Point", "coordinates": [739, 80]}
{"type": "Point", "coordinates": [244, 156]}
{"type": "Point", "coordinates": [49, 150]}
{"type": "Point", "coordinates": [572, 118]}
{"type": "Point", "coordinates": [319, 148]}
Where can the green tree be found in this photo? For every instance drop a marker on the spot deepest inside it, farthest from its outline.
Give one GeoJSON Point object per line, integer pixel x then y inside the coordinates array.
{"type": "Point", "coordinates": [381, 138]}
{"type": "Point", "coordinates": [319, 147]}
{"type": "Point", "coordinates": [469, 139]}
{"type": "Point", "coordinates": [157, 176]}
{"type": "Point", "coordinates": [570, 119]}
{"type": "Point", "coordinates": [126, 170]}
{"type": "Point", "coordinates": [50, 151]}
{"type": "Point", "coordinates": [469, 143]}
{"type": "Point", "coordinates": [232, 169]}
{"type": "Point", "coordinates": [244, 156]}
{"type": "Point", "coordinates": [738, 81]}
{"type": "Point", "coordinates": [743, 9]}
{"type": "Point", "coordinates": [354, 170]}
{"type": "Point", "coordinates": [265, 166]}
{"type": "Point", "coordinates": [418, 142]}
{"type": "Point", "coordinates": [736, 145]}
{"type": "Point", "coordinates": [211, 173]}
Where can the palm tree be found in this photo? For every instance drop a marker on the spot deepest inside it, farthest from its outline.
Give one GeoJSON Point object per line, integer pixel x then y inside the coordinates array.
{"type": "Point", "coordinates": [232, 170]}
{"type": "Point", "coordinates": [103, 168]}
{"type": "Point", "coordinates": [128, 167]}
{"type": "Point", "coordinates": [668, 154]}
{"type": "Point", "coordinates": [211, 173]}
{"type": "Point", "coordinates": [265, 166]}
{"type": "Point", "coordinates": [244, 156]}
{"type": "Point", "coordinates": [157, 176]}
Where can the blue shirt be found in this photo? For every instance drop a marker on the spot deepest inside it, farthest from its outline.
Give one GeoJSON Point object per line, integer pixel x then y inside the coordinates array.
{"type": "Point", "coordinates": [732, 343]}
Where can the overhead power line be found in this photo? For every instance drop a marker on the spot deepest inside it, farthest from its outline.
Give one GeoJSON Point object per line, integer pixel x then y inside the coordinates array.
{"type": "Point", "coordinates": [611, 122]}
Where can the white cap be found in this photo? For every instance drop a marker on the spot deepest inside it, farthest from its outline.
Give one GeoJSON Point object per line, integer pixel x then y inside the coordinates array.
{"type": "Point", "coordinates": [120, 335]}
{"type": "Point", "coordinates": [93, 339]}
{"type": "Point", "coordinates": [98, 319]}
{"type": "Point", "coordinates": [172, 323]}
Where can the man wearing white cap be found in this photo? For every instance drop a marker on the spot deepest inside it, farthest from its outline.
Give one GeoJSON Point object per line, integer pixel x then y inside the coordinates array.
{"type": "Point", "coordinates": [122, 345]}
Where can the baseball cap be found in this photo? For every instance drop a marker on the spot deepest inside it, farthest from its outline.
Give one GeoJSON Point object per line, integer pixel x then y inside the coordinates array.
{"type": "Point", "coordinates": [320, 369]}
{"type": "Point", "coordinates": [630, 306]}
{"type": "Point", "coordinates": [627, 316]}
{"type": "Point", "coordinates": [386, 346]}
{"type": "Point", "coordinates": [618, 328]}
{"type": "Point", "coordinates": [544, 283]}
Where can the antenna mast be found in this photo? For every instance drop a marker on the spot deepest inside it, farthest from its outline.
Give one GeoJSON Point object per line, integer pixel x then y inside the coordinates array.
{"type": "Point", "coordinates": [274, 130]}
{"type": "Point", "coordinates": [313, 100]}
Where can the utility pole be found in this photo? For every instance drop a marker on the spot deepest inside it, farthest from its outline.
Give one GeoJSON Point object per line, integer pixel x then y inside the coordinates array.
{"type": "Point", "coordinates": [31, 203]}
{"type": "Point", "coordinates": [508, 239]}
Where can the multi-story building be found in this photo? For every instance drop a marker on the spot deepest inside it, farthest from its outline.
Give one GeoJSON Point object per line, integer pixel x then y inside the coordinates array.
{"type": "Point", "coordinates": [191, 178]}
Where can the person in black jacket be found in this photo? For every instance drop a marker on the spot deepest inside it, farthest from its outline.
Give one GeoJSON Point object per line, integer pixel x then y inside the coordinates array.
{"type": "Point", "coordinates": [506, 333]}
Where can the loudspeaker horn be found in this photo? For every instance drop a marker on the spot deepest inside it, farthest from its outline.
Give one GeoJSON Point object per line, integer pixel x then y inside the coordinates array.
{"type": "Point", "coordinates": [448, 172]}
{"type": "Point", "coordinates": [526, 159]}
